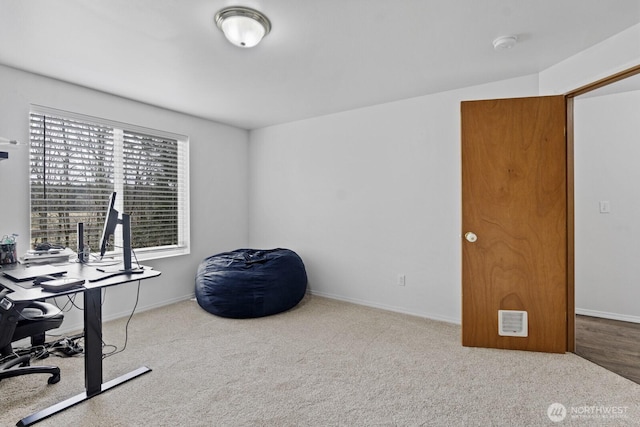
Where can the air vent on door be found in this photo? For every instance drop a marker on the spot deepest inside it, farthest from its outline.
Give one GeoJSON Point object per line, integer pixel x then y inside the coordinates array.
{"type": "Point", "coordinates": [512, 323]}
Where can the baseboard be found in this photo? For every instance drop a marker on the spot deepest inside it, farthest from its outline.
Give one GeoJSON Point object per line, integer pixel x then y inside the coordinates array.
{"type": "Point", "coordinates": [142, 308]}
{"type": "Point", "coordinates": [384, 307]}
{"type": "Point", "coordinates": [113, 316]}
{"type": "Point", "coordinates": [606, 315]}
{"type": "Point", "coordinates": [75, 327]}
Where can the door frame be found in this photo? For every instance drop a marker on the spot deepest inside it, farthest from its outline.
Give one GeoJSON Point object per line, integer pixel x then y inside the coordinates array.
{"type": "Point", "coordinates": [570, 96]}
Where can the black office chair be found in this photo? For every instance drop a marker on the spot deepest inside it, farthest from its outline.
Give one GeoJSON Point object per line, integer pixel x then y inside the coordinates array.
{"type": "Point", "coordinates": [19, 321]}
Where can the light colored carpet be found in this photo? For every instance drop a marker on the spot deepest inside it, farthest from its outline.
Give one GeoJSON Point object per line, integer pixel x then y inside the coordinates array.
{"type": "Point", "coordinates": [324, 363]}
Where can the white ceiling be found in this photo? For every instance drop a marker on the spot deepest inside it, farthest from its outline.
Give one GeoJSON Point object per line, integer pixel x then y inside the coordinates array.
{"type": "Point", "coordinates": [321, 57]}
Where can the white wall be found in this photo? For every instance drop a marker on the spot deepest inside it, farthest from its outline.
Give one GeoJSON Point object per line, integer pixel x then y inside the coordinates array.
{"type": "Point", "coordinates": [368, 194]}
{"type": "Point", "coordinates": [607, 150]}
{"type": "Point", "coordinates": [593, 277]}
{"type": "Point", "coordinates": [613, 55]}
{"type": "Point", "coordinates": [218, 185]}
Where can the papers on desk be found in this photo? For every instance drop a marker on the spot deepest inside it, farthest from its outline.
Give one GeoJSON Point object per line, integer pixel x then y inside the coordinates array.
{"type": "Point", "coordinates": [51, 256]}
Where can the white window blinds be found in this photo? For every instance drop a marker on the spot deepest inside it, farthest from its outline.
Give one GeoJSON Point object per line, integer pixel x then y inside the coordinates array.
{"type": "Point", "coordinates": [77, 162]}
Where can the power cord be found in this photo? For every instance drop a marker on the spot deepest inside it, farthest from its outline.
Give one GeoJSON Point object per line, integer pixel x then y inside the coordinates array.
{"type": "Point", "coordinates": [69, 304]}
{"type": "Point", "coordinates": [135, 257]}
{"type": "Point", "coordinates": [35, 353]}
{"type": "Point", "coordinates": [126, 329]}
{"type": "Point", "coordinates": [62, 347]}
{"type": "Point", "coordinates": [67, 346]}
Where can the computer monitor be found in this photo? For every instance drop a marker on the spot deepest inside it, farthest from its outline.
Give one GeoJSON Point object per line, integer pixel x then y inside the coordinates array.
{"type": "Point", "coordinates": [110, 223]}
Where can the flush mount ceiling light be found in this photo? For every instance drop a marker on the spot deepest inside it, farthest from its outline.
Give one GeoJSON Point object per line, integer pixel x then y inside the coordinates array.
{"type": "Point", "coordinates": [505, 42]}
{"type": "Point", "coordinates": [242, 26]}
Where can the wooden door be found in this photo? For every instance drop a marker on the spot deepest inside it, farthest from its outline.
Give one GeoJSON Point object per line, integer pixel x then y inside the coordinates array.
{"type": "Point", "coordinates": [514, 198]}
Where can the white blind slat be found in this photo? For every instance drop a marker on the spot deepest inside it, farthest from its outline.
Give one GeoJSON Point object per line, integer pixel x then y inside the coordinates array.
{"type": "Point", "coordinates": [77, 162]}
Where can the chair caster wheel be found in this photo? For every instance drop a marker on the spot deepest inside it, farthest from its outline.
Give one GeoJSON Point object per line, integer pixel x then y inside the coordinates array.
{"type": "Point", "coordinates": [54, 379]}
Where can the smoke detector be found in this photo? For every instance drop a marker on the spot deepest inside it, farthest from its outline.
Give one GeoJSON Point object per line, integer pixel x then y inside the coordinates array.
{"type": "Point", "coordinates": [505, 42]}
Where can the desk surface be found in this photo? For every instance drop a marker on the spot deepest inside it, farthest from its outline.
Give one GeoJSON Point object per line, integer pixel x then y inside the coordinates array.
{"type": "Point", "coordinates": [76, 270]}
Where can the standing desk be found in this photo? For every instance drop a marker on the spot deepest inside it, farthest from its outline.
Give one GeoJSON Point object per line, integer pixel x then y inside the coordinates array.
{"type": "Point", "coordinates": [91, 291]}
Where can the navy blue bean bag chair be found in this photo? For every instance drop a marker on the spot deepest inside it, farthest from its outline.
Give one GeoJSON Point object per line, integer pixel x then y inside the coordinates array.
{"type": "Point", "coordinates": [250, 283]}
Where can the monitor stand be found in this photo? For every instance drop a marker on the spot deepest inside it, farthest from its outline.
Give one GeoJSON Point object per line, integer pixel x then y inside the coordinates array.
{"type": "Point", "coordinates": [126, 268]}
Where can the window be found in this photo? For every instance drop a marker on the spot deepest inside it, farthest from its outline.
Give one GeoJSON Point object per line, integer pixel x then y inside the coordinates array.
{"type": "Point", "coordinates": [76, 162]}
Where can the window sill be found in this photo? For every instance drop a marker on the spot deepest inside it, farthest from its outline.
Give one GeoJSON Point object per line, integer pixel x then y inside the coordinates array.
{"type": "Point", "coordinates": [148, 254]}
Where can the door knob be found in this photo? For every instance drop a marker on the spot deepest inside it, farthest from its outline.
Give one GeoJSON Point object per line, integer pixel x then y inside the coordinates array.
{"type": "Point", "coordinates": [471, 237]}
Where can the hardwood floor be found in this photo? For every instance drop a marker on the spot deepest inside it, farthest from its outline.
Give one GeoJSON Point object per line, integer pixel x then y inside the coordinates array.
{"type": "Point", "coordinates": [612, 344]}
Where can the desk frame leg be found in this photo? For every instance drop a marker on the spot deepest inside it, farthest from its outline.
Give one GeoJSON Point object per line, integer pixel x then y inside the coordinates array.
{"type": "Point", "coordinates": [92, 361]}
{"type": "Point", "coordinates": [59, 407]}
{"type": "Point", "coordinates": [93, 341]}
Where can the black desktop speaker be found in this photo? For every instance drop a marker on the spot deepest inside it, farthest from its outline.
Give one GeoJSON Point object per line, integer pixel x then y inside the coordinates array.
{"type": "Point", "coordinates": [81, 242]}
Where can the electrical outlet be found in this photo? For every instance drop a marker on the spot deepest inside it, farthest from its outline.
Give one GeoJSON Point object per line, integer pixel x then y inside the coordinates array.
{"type": "Point", "coordinates": [402, 279]}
